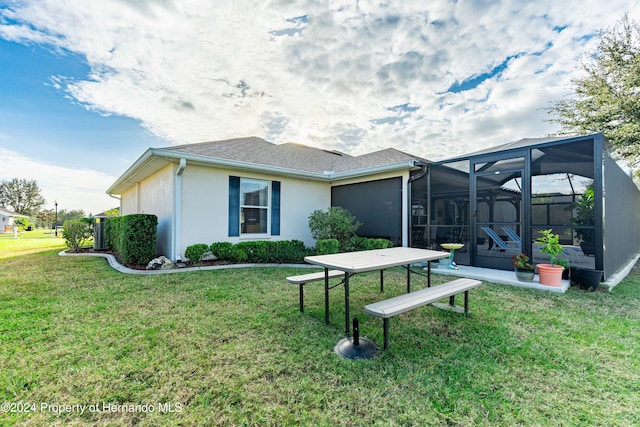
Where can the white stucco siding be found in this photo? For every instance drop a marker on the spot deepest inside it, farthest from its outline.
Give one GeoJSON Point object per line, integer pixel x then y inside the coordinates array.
{"type": "Point", "coordinates": [154, 195]}
{"type": "Point", "coordinates": [205, 206]}
{"type": "Point", "coordinates": [129, 201]}
{"type": "Point", "coordinates": [298, 199]}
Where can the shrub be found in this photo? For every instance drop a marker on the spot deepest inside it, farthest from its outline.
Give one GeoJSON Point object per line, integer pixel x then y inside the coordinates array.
{"type": "Point", "coordinates": [138, 234]}
{"type": "Point", "coordinates": [196, 252]}
{"type": "Point", "coordinates": [290, 251]}
{"type": "Point", "coordinates": [76, 232]}
{"type": "Point", "coordinates": [327, 246]}
{"type": "Point", "coordinates": [334, 223]}
{"type": "Point", "coordinates": [238, 254]}
{"type": "Point", "coordinates": [367, 244]}
{"type": "Point", "coordinates": [112, 233]}
{"type": "Point", "coordinates": [261, 251]}
{"type": "Point", "coordinates": [222, 250]}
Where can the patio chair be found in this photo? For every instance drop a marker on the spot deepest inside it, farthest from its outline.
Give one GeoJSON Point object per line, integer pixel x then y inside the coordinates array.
{"type": "Point", "coordinates": [499, 244]}
{"type": "Point", "coordinates": [512, 235]}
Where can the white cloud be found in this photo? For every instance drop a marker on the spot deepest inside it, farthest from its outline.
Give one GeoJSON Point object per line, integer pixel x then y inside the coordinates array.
{"type": "Point", "coordinates": [330, 73]}
{"type": "Point", "coordinates": [73, 189]}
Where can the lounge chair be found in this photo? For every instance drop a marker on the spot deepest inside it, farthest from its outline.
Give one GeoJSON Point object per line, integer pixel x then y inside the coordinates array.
{"type": "Point", "coordinates": [499, 244]}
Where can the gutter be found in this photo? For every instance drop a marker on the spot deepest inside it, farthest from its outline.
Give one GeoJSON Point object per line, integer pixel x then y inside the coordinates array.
{"type": "Point", "coordinates": [177, 212]}
{"type": "Point", "coordinates": [424, 170]}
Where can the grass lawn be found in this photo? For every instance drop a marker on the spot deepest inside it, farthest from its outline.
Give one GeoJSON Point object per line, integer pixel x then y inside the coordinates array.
{"type": "Point", "coordinates": [229, 347]}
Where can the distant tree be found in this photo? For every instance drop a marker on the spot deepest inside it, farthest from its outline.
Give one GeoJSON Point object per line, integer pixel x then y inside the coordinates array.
{"type": "Point", "coordinates": [23, 196]}
{"type": "Point", "coordinates": [112, 212]}
{"type": "Point", "coordinates": [69, 215]}
{"type": "Point", "coordinates": [46, 217]}
{"type": "Point", "coordinates": [607, 93]}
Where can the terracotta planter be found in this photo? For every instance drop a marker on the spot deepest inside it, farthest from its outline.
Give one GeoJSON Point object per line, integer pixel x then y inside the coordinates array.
{"type": "Point", "coordinates": [524, 275]}
{"type": "Point", "coordinates": [550, 275]}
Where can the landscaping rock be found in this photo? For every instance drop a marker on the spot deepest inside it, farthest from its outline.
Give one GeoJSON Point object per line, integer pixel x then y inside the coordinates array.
{"type": "Point", "coordinates": [160, 263]}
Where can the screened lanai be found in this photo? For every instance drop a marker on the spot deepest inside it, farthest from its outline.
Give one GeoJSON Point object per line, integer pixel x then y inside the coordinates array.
{"type": "Point", "coordinates": [496, 201]}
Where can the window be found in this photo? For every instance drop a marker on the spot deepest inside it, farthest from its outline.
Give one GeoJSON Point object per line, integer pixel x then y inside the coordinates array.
{"type": "Point", "coordinates": [254, 206]}
{"type": "Point", "coordinates": [250, 204]}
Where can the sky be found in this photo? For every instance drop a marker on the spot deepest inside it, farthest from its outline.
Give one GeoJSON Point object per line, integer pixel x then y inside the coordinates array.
{"type": "Point", "coordinates": [87, 86]}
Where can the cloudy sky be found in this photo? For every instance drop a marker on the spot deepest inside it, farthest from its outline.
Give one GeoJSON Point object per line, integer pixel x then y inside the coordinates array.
{"type": "Point", "coordinates": [87, 86]}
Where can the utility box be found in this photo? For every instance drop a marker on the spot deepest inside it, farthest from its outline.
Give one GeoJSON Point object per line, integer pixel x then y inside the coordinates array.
{"type": "Point", "coordinates": [98, 233]}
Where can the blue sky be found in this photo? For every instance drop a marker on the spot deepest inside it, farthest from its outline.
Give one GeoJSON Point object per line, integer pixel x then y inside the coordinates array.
{"type": "Point", "coordinates": [86, 87]}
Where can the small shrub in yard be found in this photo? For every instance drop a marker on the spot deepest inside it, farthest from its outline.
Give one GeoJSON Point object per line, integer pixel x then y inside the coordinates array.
{"type": "Point", "coordinates": [238, 254]}
{"type": "Point", "coordinates": [112, 233]}
{"type": "Point", "coordinates": [196, 252]}
{"type": "Point", "coordinates": [76, 233]}
{"type": "Point", "coordinates": [368, 244]}
{"type": "Point", "coordinates": [327, 246]}
{"type": "Point", "coordinates": [222, 250]}
{"type": "Point", "coordinates": [334, 223]}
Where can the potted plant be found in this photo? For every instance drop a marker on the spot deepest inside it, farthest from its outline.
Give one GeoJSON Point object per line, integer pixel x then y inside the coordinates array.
{"type": "Point", "coordinates": [566, 265]}
{"type": "Point", "coordinates": [550, 274]}
{"type": "Point", "coordinates": [585, 220]}
{"type": "Point", "coordinates": [524, 269]}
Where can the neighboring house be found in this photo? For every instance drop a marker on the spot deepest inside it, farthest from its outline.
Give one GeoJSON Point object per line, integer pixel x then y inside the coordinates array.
{"type": "Point", "coordinates": [251, 189]}
{"type": "Point", "coordinates": [7, 220]}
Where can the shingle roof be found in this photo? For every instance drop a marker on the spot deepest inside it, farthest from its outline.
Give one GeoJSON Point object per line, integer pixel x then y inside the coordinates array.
{"type": "Point", "coordinates": [257, 151]}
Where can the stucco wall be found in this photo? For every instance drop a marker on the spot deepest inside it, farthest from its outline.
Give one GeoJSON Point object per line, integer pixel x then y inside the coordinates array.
{"type": "Point", "coordinates": [154, 196]}
{"type": "Point", "coordinates": [205, 206]}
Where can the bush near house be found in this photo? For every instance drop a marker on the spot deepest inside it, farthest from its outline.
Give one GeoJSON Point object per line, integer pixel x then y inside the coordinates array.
{"type": "Point", "coordinates": [196, 252]}
{"type": "Point", "coordinates": [327, 246]}
{"type": "Point", "coordinates": [76, 233]}
{"type": "Point", "coordinates": [112, 233]}
{"type": "Point", "coordinates": [133, 237]}
{"type": "Point", "coordinates": [368, 244]}
{"type": "Point", "coordinates": [138, 235]}
{"type": "Point", "coordinates": [334, 223]}
{"type": "Point", "coordinates": [261, 251]}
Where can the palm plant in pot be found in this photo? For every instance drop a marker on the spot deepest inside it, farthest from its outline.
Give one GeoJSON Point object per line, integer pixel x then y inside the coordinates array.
{"type": "Point", "coordinates": [550, 274]}
{"type": "Point", "coordinates": [524, 269]}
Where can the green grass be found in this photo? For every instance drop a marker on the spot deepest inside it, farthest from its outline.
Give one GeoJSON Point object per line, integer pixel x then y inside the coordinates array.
{"type": "Point", "coordinates": [29, 242]}
{"type": "Point", "coordinates": [229, 347]}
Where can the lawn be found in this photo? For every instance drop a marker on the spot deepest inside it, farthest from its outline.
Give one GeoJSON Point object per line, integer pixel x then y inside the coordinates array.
{"type": "Point", "coordinates": [229, 347]}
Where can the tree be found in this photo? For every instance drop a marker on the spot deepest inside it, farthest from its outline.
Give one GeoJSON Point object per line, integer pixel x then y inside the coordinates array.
{"type": "Point", "coordinates": [46, 217]}
{"type": "Point", "coordinates": [607, 93]}
{"type": "Point", "coordinates": [23, 196]}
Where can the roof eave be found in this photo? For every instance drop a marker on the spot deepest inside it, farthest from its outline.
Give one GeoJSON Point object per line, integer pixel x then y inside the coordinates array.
{"type": "Point", "coordinates": [169, 155]}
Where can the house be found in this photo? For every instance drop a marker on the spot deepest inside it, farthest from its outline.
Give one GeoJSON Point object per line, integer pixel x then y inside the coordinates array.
{"type": "Point", "coordinates": [248, 188]}
{"type": "Point", "coordinates": [7, 220]}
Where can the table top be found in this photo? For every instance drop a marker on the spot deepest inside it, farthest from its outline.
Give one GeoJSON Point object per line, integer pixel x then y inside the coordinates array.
{"type": "Point", "coordinates": [378, 259]}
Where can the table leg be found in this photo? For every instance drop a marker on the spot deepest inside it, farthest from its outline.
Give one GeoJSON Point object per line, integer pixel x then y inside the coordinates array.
{"type": "Point", "coordinates": [408, 278]}
{"type": "Point", "coordinates": [428, 274]}
{"type": "Point", "coordinates": [326, 295]}
{"type": "Point", "coordinates": [346, 303]}
{"type": "Point", "coordinates": [381, 281]}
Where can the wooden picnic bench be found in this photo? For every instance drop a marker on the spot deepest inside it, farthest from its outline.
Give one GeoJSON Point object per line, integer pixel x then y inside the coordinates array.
{"type": "Point", "coordinates": [403, 303]}
{"type": "Point", "coordinates": [303, 279]}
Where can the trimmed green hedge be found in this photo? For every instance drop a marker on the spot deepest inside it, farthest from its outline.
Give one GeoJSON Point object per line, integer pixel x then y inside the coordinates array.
{"type": "Point", "coordinates": [138, 238]}
{"type": "Point", "coordinates": [327, 246]}
{"type": "Point", "coordinates": [261, 251]}
{"type": "Point", "coordinates": [196, 252]}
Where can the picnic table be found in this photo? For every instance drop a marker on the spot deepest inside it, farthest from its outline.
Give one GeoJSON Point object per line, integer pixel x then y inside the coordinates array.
{"type": "Point", "coordinates": [374, 260]}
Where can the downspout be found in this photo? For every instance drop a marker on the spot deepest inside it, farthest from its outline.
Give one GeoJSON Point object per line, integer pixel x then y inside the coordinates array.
{"type": "Point", "coordinates": [177, 212]}
{"type": "Point", "coordinates": [424, 168]}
